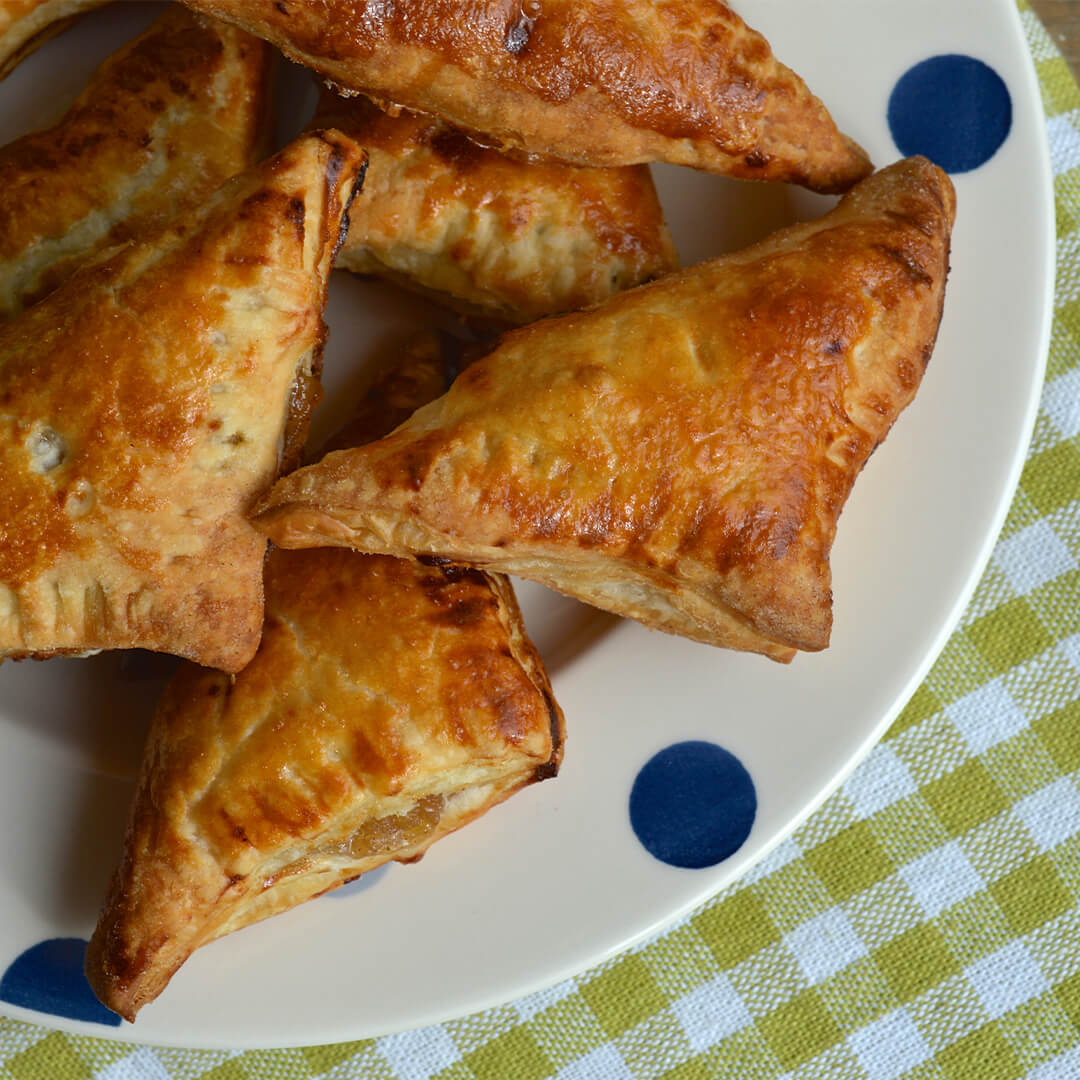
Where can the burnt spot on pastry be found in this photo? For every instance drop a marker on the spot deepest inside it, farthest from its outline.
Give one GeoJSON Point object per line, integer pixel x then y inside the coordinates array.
{"type": "Point", "coordinates": [433, 560]}
{"type": "Point", "coordinates": [457, 148]}
{"type": "Point", "coordinates": [464, 612]}
{"type": "Point", "coordinates": [915, 272]}
{"type": "Point", "coordinates": [282, 6]}
{"type": "Point", "coordinates": [756, 159]}
{"type": "Point", "coordinates": [550, 768]}
{"type": "Point", "coordinates": [834, 348]}
{"type": "Point", "coordinates": [295, 213]}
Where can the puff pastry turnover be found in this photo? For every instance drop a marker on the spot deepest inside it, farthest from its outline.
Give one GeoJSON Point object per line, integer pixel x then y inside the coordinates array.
{"type": "Point", "coordinates": [161, 125]}
{"type": "Point", "coordinates": [145, 403]}
{"type": "Point", "coordinates": [593, 82]}
{"type": "Point", "coordinates": [389, 703]}
{"type": "Point", "coordinates": [490, 235]}
{"type": "Point", "coordinates": [680, 454]}
{"type": "Point", "coordinates": [25, 25]}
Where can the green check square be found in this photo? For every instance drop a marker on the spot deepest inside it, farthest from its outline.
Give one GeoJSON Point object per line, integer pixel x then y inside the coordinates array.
{"type": "Point", "coordinates": [1056, 604]}
{"type": "Point", "coordinates": [707, 1066]}
{"type": "Point", "coordinates": [1051, 479]}
{"type": "Point", "coordinates": [1068, 994]}
{"type": "Point", "coordinates": [1063, 215]}
{"type": "Point", "coordinates": [1009, 635]}
{"type": "Point", "coordinates": [322, 1059]}
{"type": "Point", "coordinates": [974, 927]}
{"type": "Point", "coordinates": [1031, 895]}
{"type": "Point", "coordinates": [623, 995]}
{"type": "Point", "coordinates": [915, 961]}
{"type": "Point", "coordinates": [850, 861]}
{"type": "Point", "coordinates": [965, 797]}
{"type": "Point", "coordinates": [921, 706]}
{"type": "Point", "coordinates": [908, 829]}
{"type": "Point", "coordinates": [736, 928]}
{"type": "Point", "coordinates": [1020, 765]}
{"type": "Point", "coordinates": [857, 994]}
{"type": "Point", "coordinates": [1038, 1030]}
{"type": "Point", "coordinates": [800, 1029]}
{"type": "Point", "coordinates": [983, 1055]}
{"type": "Point", "coordinates": [53, 1057]}
{"type": "Point", "coordinates": [514, 1053]}
{"type": "Point", "coordinates": [567, 1030]}
{"type": "Point", "coordinates": [1059, 732]}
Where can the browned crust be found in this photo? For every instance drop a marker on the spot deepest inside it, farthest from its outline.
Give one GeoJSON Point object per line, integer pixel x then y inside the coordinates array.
{"type": "Point", "coordinates": [161, 125]}
{"type": "Point", "coordinates": [680, 454]}
{"type": "Point", "coordinates": [25, 25]}
{"type": "Point", "coordinates": [489, 235]}
{"type": "Point", "coordinates": [141, 409]}
{"type": "Point", "coordinates": [609, 82]}
{"type": "Point", "coordinates": [376, 679]}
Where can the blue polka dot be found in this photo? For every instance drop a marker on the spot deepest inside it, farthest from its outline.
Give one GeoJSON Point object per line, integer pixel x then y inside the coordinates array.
{"type": "Point", "coordinates": [953, 109]}
{"type": "Point", "coordinates": [49, 978]}
{"type": "Point", "coordinates": [693, 804]}
{"type": "Point", "coordinates": [362, 883]}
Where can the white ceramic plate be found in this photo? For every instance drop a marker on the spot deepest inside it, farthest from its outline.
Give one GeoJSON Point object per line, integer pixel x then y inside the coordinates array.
{"type": "Point", "coordinates": [556, 879]}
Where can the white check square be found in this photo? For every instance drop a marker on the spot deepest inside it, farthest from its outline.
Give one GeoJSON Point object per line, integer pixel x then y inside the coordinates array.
{"type": "Point", "coordinates": [710, 1013]}
{"type": "Point", "coordinates": [1064, 141]}
{"type": "Point", "coordinates": [420, 1054]}
{"type": "Point", "coordinates": [1033, 556]}
{"type": "Point", "coordinates": [1061, 402]}
{"type": "Point", "coordinates": [1051, 814]}
{"type": "Point", "coordinates": [881, 780]}
{"type": "Point", "coordinates": [1006, 979]}
{"type": "Point", "coordinates": [986, 716]}
{"type": "Point", "coordinates": [941, 878]}
{"type": "Point", "coordinates": [825, 945]}
{"type": "Point", "coordinates": [604, 1061]}
{"type": "Point", "coordinates": [889, 1047]}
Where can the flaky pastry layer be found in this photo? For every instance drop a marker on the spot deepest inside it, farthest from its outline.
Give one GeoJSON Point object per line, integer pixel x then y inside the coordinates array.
{"type": "Point", "coordinates": [591, 82]}
{"type": "Point", "coordinates": [680, 454]}
{"type": "Point", "coordinates": [162, 124]}
{"type": "Point", "coordinates": [389, 704]}
{"type": "Point", "coordinates": [25, 25]}
{"type": "Point", "coordinates": [488, 234]}
{"type": "Point", "coordinates": [144, 405]}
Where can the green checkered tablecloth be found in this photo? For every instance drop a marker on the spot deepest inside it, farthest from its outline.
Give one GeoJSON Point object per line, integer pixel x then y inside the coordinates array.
{"type": "Point", "coordinates": [925, 923]}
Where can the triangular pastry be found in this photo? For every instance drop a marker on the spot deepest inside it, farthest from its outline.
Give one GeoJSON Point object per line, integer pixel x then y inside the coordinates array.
{"type": "Point", "coordinates": [389, 704]}
{"type": "Point", "coordinates": [593, 82]}
{"type": "Point", "coordinates": [144, 405]}
{"type": "Point", "coordinates": [680, 454]}
{"type": "Point", "coordinates": [487, 234]}
{"type": "Point", "coordinates": [25, 25]}
{"type": "Point", "coordinates": [159, 128]}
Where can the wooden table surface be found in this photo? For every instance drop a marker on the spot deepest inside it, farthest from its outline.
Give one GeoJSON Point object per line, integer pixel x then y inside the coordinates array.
{"type": "Point", "coordinates": [1062, 19]}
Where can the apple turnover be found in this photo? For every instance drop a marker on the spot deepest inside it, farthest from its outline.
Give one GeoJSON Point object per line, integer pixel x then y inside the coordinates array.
{"type": "Point", "coordinates": [25, 25]}
{"type": "Point", "coordinates": [160, 127]}
{"type": "Point", "coordinates": [681, 453]}
{"type": "Point", "coordinates": [148, 401]}
{"type": "Point", "coordinates": [592, 82]}
{"type": "Point", "coordinates": [389, 704]}
{"type": "Point", "coordinates": [491, 236]}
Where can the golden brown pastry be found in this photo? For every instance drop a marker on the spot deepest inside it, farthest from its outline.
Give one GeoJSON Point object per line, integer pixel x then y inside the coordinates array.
{"type": "Point", "coordinates": [593, 82]}
{"type": "Point", "coordinates": [160, 127]}
{"type": "Point", "coordinates": [492, 236]}
{"type": "Point", "coordinates": [145, 403]}
{"type": "Point", "coordinates": [389, 704]}
{"type": "Point", "coordinates": [25, 25]}
{"type": "Point", "coordinates": [680, 454]}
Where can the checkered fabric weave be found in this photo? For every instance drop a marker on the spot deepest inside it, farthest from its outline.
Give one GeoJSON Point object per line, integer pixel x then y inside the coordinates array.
{"type": "Point", "coordinates": [925, 923]}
